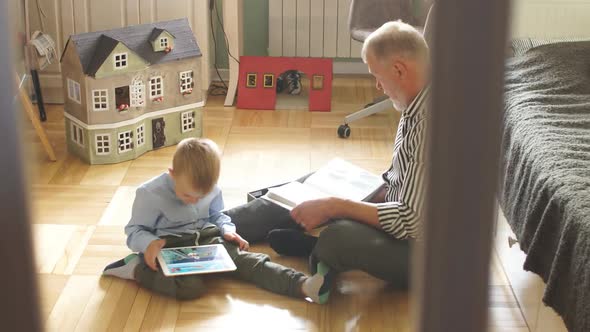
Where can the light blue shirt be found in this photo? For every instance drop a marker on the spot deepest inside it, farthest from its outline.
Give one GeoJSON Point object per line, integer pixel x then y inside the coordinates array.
{"type": "Point", "coordinates": [158, 212]}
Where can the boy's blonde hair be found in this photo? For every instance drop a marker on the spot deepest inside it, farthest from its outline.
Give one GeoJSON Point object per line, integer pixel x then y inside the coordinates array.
{"type": "Point", "coordinates": [198, 160]}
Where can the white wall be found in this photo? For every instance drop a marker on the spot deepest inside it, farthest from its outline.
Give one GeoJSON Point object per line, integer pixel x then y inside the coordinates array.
{"type": "Point", "coordinates": [551, 18]}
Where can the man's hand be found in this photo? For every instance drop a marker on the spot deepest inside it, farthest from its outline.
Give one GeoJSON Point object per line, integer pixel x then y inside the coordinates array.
{"type": "Point", "coordinates": [237, 239]}
{"type": "Point", "coordinates": [152, 251]}
{"type": "Point", "coordinates": [311, 214]}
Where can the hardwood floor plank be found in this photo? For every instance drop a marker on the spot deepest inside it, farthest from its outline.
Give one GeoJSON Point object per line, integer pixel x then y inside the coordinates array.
{"type": "Point", "coordinates": [106, 175]}
{"type": "Point", "coordinates": [72, 171]}
{"type": "Point", "coordinates": [51, 287]}
{"type": "Point", "coordinates": [106, 245]}
{"type": "Point", "coordinates": [59, 247]}
{"type": "Point", "coordinates": [368, 148]}
{"type": "Point", "coordinates": [138, 310]}
{"type": "Point", "coordinates": [70, 204]}
{"type": "Point", "coordinates": [260, 157]}
{"type": "Point", "coordinates": [96, 315]}
{"type": "Point", "coordinates": [72, 302]}
{"type": "Point", "coordinates": [218, 134]}
{"type": "Point", "coordinates": [118, 212]}
{"type": "Point", "coordinates": [123, 307]}
{"type": "Point", "coordinates": [157, 310]}
{"type": "Point", "coordinates": [272, 119]}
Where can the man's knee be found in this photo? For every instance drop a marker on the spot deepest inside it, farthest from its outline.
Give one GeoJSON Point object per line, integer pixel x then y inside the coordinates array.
{"type": "Point", "coordinates": [334, 241]}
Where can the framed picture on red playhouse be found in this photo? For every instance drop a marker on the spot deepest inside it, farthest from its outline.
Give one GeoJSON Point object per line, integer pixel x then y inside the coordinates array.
{"type": "Point", "coordinates": [317, 82]}
{"type": "Point", "coordinates": [305, 82]}
{"type": "Point", "coordinates": [269, 80]}
{"type": "Point", "coordinates": [251, 80]}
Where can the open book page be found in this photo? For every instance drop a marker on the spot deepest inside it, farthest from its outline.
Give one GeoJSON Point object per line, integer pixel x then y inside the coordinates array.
{"type": "Point", "coordinates": [337, 179]}
{"type": "Point", "coordinates": [292, 194]}
{"type": "Point", "coordinates": [342, 179]}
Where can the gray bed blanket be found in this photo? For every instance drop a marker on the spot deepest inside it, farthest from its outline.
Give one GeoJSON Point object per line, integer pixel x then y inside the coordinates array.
{"type": "Point", "coordinates": [545, 185]}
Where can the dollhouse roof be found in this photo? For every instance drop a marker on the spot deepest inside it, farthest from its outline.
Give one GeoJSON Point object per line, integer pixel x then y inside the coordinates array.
{"type": "Point", "coordinates": [93, 48]}
{"type": "Point", "coordinates": [104, 47]}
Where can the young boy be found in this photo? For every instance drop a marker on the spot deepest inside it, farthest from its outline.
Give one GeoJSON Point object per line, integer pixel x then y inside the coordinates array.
{"type": "Point", "coordinates": [182, 207]}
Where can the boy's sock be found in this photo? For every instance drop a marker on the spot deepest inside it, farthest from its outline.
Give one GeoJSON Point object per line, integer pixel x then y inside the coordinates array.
{"type": "Point", "coordinates": [291, 242]}
{"type": "Point", "coordinates": [123, 268]}
{"type": "Point", "coordinates": [317, 287]}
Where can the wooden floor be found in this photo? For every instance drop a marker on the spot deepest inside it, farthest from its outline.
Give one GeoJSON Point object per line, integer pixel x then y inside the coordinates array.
{"type": "Point", "coordinates": [79, 212]}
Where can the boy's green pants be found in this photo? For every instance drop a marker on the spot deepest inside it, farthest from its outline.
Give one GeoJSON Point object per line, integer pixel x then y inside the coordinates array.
{"type": "Point", "coordinates": [251, 267]}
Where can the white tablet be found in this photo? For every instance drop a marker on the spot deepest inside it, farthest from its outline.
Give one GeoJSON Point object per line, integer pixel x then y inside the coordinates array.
{"type": "Point", "coordinates": [195, 260]}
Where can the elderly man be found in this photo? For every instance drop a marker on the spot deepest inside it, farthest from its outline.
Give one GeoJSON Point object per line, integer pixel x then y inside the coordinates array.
{"type": "Point", "coordinates": [375, 236]}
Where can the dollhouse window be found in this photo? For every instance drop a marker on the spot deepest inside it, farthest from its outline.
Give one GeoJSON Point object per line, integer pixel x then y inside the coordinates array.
{"type": "Point", "coordinates": [77, 134]}
{"type": "Point", "coordinates": [188, 121]}
{"type": "Point", "coordinates": [125, 141]}
{"type": "Point", "coordinates": [122, 98]}
{"type": "Point", "coordinates": [251, 80]}
{"type": "Point", "coordinates": [137, 94]}
{"type": "Point", "coordinates": [164, 42]}
{"type": "Point", "coordinates": [100, 100]}
{"type": "Point", "coordinates": [156, 87]}
{"type": "Point", "coordinates": [120, 60]}
{"type": "Point", "coordinates": [74, 91]}
{"type": "Point", "coordinates": [103, 144]}
{"type": "Point", "coordinates": [140, 134]}
{"type": "Point", "coordinates": [186, 82]}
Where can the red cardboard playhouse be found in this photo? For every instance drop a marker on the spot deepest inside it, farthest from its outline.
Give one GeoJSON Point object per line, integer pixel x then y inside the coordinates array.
{"type": "Point", "coordinates": [257, 82]}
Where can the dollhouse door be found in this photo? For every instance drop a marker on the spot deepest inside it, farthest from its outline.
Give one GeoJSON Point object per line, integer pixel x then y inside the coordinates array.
{"type": "Point", "coordinates": [158, 136]}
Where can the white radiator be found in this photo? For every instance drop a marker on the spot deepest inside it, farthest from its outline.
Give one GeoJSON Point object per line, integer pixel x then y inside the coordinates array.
{"type": "Point", "coordinates": [310, 28]}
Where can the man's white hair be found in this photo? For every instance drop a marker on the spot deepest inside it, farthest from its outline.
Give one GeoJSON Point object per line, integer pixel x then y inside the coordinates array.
{"type": "Point", "coordinates": [395, 38]}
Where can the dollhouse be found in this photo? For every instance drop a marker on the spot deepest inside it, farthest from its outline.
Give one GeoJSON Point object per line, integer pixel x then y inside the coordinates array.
{"type": "Point", "coordinates": [131, 90]}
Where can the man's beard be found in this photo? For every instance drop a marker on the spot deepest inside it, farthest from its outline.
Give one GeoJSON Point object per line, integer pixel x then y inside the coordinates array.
{"type": "Point", "coordinates": [398, 105]}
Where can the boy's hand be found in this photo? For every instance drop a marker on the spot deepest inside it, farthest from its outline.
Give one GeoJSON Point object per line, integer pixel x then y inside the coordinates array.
{"type": "Point", "coordinates": [152, 251]}
{"type": "Point", "coordinates": [237, 239]}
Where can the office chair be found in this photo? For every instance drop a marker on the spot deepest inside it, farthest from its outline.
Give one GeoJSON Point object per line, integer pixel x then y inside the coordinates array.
{"type": "Point", "coordinates": [368, 15]}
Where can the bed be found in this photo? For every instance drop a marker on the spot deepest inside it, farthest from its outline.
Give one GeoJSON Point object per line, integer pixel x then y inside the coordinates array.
{"type": "Point", "coordinates": [545, 170]}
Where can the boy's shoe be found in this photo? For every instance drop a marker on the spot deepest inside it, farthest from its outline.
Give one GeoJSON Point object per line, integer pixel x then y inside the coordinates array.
{"type": "Point", "coordinates": [291, 242]}
{"type": "Point", "coordinates": [317, 287]}
{"type": "Point", "coordinates": [123, 268]}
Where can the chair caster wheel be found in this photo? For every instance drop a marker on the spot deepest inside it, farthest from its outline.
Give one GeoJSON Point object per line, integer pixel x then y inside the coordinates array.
{"type": "Point", "coordinates": [344, 131]}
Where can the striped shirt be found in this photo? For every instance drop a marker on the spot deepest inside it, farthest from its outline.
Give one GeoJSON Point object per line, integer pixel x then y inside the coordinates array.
{"type": "Point", "coordinates": [401, 213]}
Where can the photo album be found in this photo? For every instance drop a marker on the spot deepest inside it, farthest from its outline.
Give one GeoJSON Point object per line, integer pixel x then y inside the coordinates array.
{"type": "Point", "coordinates": [338, 178]}
{"type": "Point", "coordinates": [195, 260]}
